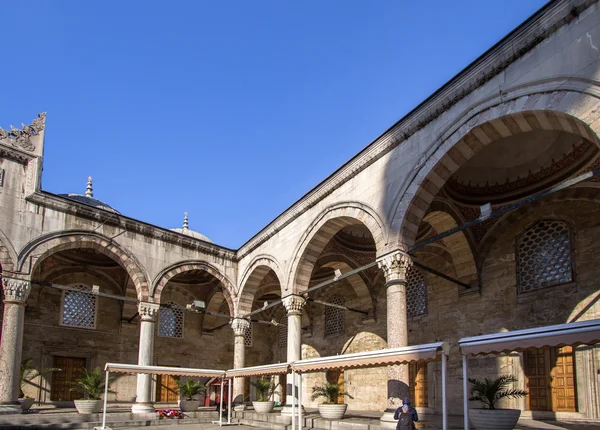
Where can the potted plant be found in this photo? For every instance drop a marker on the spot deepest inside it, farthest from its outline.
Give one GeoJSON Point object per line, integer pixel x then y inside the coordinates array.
{"type": "Point", "coordinates": [331, 409]}
{"type": "Point", "coordinates": [26, 376]}
{"type": "Point", "coordinates": [489, 392]}
{"type": "Point", "coordinates": [92, 385]}
{"type": "Point", "coordinates": [265, 388]}
{"type": "Point", "coordinates": [187, 390]}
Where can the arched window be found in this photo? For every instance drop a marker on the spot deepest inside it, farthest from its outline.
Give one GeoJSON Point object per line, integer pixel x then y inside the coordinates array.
{"type": "Point", "coordinates": [544, 256]}
{"type": "Point", "coordinates": [334, 317]}
{"type": "Point", "coordinates": [416, 293]}
{"type": "Point", "coordinates": [248, 336]}
{"type": "Point", "coordinates": [78, 308]}
{"type": "Point", "coordinates": [283, 331]}
{"type": "Point", "coordinates": [170, 321]}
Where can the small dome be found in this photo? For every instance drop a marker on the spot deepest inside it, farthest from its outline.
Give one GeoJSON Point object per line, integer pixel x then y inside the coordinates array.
{"type": "Point", "coordinates": [89, 199]}
{"type": "Point", "coordinates": [186, 230]}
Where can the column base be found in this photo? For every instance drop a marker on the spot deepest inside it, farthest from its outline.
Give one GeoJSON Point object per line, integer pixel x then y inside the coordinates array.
{"type": "Point", "coordinates": [387, 420]}
{"type": "Point", "coordinates": [286, 411]}
{"type": "Point", "coordinates": [143, 408]}
{"type": "Point", "coordinates": [10, 408]}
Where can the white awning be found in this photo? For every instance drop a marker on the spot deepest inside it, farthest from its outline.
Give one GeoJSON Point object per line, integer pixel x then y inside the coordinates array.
{"type": "Point", "coordinates": [383, 357]}
{"type": "Point", "coordinates": [572, 334]}
{"type": "Point", "coordinates": [269, 369]}
{"type": "Point", "coordinates": [162, 370]}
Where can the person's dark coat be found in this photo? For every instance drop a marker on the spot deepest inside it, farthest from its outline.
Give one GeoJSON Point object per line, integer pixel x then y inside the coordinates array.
{"type": "Point", "coordinates": [405, 421]}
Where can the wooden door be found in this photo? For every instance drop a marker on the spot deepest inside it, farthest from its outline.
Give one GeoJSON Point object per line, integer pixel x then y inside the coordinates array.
{"type": "Point", "coordinates": [167, 389]}
{"type": "Point", "coordinates": [71, 368]}
{"type": "Point", "coordinates": [417, 384]}
{"type": "Point", "coordinates": [563, 380]}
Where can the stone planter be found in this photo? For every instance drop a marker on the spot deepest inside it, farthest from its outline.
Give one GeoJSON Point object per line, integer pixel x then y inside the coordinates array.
{"type": "Point", "coordinates": [26, 403]}
{"type": "Point", "coordinates": [494, 419]}
{"type": "Point", "coordinates": [332, 412]}
{"type": "Point", "coordinates": [263, 407]}
{"type": "Point", "coordinates": [189, 405]}
{"type": "Point", "coordinates": [88, 406]}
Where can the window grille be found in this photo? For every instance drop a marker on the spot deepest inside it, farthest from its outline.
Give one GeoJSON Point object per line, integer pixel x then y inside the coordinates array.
{"type": "Point", "coordinates": [283, 330]}
{"type": "Point", "coordinates": [170, 321]}
{"type": "Point", "coordinates": [79, 307]}
{"type": "Point", "coordinates": [334, 317]}
{"type": "Point", "coordinates": [248, 336]}
{"type": "Point", "coordinates": [544, 256]}
{"type": "Point", "coordinates": [416, 293]}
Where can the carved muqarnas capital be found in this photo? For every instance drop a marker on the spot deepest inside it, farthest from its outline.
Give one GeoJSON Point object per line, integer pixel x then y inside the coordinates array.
{"type": "Point", "coordinates": [22, 138]}
{"type": "Point", "coordinates": [148, 311]}
{"type": "Point", "coordinates": [293, 304]}
{"type": "Point", "coordinates": [15, 290]}
{"type": "Point", "coordinates": [395, 266]}
{"type": "Point", "coordinates": [239, 326]}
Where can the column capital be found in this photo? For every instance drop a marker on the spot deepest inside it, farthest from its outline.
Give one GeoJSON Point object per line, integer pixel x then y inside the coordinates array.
{"type": "Point", "coordinates": [293, 304]}
{"type": "Point", "coordinates": [148, 311]}
{"type": "Point", "coordinates": [395, 266]}
{"type": "Point", "coordinates": [239, 326]}
{"type": "Point", "coordinates": [15, 290]}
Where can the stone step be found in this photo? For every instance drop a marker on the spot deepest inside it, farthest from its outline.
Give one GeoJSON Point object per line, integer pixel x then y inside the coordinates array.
{"type": "Point", "coordinates": [113, 424]}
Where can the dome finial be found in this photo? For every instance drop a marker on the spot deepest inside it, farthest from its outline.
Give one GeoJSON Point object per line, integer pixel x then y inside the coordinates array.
{"type": "Point", "coordinates": [88, 190]}
{"type": "Point", "coordinates": [185, 221]}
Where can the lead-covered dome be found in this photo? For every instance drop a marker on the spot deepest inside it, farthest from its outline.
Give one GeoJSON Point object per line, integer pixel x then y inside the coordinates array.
{"type": "Point", "coordinates": [88, 198]}
{"type": "Point", "coordinates": [186, 230]}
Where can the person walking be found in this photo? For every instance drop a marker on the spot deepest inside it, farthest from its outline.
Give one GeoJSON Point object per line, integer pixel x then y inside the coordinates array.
{"type": "Point", "coordinates": [406, 415]}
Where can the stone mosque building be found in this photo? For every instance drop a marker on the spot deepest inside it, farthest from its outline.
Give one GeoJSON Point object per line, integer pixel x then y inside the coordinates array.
{"type": "Point", "coordinates": [84, 284]}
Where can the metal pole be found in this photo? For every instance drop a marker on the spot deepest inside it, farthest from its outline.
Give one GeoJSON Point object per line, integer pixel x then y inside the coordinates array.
{"type": "Point", "coordinates": [300, 423]}
{"type": "Point", "coordinates": [444, 398]}
{"type": "Point", "coordinates": [105, 397]}
{"type": "Point", "coordinates": [229, 403]}
{"type": "Point", "coordinates": [221, 408]}
{"type": "Point", "coordinates": [465, 392]}
{"type": "Point", "coordinates": [293, 400]}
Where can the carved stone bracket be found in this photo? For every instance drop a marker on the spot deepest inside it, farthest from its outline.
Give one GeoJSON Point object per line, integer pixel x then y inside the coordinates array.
{"type": "Point", "coordinates": [22, 138]}
{"type": "Point", "coordinates": [294, 304]}
{"type": "Point", "coordinates": [239, 326]}
{"type": "Point", "coordinates": [148, 311]}
{"type": "Point", "coordinates": [395, 266]}
{"type": "Point", "coordinates": [15, 290]}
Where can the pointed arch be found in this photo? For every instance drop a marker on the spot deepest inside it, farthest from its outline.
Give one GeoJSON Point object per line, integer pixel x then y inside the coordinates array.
{"type": "Point", "coordinates": [251, 279]}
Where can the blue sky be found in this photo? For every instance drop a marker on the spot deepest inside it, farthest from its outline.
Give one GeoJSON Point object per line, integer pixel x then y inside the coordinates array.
{"type": "Point", "coordinates": [229, 110]}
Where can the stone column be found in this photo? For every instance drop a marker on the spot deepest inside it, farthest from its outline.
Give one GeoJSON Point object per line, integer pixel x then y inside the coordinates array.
{"type": "Point", "coordinates": [293, 305]}
{"type": "Point", "coordinates": [395, 267]}
{"type": "Point", "coordinates": [11, 348]}
{"type": "Point", "coordinates": [148, 313]}
{"type": "Point", "coordinates": [239, 326]}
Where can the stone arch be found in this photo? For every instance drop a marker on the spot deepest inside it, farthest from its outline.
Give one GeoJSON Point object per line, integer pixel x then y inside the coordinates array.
{"type": "Point", "coordinates": [321, 230]}
{"type": "Point", "coordinates": [345, 264]}
{"type": "Point", "coordinates": [160, 281]}
{"type": "Point", "coordinates": [567, 111]}
{"type": "Point", "coordinates": [252, 278]}
{"type": "Point", "coordinates": [44, 246]}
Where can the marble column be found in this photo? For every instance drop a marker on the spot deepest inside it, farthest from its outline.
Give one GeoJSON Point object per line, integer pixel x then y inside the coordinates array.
{"type": "Point", "coordinates": [11, 348]}
{"type": "Point", "coordinates": [293, 305]}
{"type": "Point", "coordinates": [239, 326]}
{"type": "Point", "coordinates": [395, 267]}
{"type": "Point", "coordinates": [148, 314]}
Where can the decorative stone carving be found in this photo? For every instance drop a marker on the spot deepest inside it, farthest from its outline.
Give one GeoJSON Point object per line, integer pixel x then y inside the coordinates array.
{"type": "Point", "coordinates": [239, 326]}
{"type": "Point", "coordinates": [148, 311]}
{"type": "Point", "coordinates": [293, 304]}
{"type": "Point", "coordinates": [22, 138]}
{"type": "Point", "coordinates": [15, 290]}
{"type": "Point", "coordinates": [395, 266]}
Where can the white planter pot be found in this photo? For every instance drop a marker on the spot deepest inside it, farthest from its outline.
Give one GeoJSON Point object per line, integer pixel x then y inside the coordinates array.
{"type": "Point", "coordinates": [263, 407]}
{"type": "Point", "coordinates": [189, 405]}
{"type": "Point", "coordinates": [494, 419]}
{"type": "Point", "coordinates": [88, 406]}
{"type": "Point", "coordinates": [26, 403]}
{"type": "Point", "coordinates": [333, 412]}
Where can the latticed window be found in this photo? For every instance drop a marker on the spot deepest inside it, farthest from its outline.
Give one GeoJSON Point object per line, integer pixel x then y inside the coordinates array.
{"type": "Point", "coordinates": [334, 317]}
{"type": "Point", "coordinates": [416, 293]}
{"type": "Point", "coordinates": [79, 307]}
{"type": "Point", "coordinates": [248, 336]}
{"type": "Point", "coordinates": [283, 330]}
{"type": "Point", "coordinates": [544, 256]}
{"type": "Point", "coordinates": [170, 321]}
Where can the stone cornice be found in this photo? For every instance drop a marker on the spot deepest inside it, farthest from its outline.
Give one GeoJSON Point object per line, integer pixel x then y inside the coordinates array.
{"type": "Point", "coordinates": [499, 57]}
{"type": "Point", "coordinates": [73, 207]}
{"type": "Point", "coordinates": [15, 155]}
